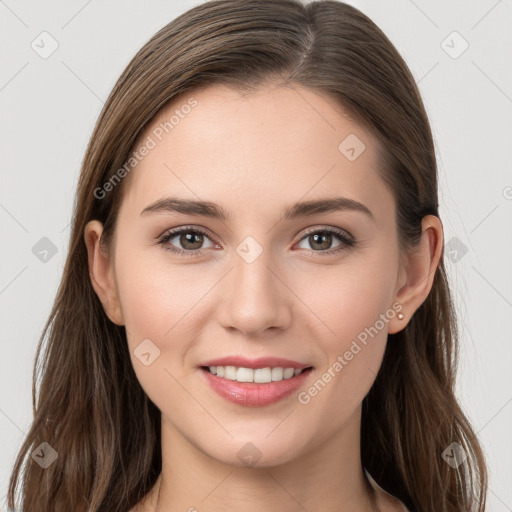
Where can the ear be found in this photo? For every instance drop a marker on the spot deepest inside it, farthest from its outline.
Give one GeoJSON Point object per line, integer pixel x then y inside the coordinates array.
{"type": "Point", "coordinates": [101, 272]}
{"type": "Point", "coordinates": [416, 277]}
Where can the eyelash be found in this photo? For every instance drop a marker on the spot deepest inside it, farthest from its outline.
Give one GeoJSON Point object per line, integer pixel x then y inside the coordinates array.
{"type": "Point", "coordinates": [346, 241]}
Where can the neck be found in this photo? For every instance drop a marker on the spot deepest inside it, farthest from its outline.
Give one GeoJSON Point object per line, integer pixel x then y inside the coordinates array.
{"type": "Point", "coordinates": [316, 480]}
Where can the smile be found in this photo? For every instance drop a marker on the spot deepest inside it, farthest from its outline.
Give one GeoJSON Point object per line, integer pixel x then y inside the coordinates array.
{"type": "Point", "coordinates": [254, 387]}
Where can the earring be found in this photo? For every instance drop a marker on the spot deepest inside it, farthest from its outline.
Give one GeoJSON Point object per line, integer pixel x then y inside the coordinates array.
{"type": "Point", "coordinates": [400, 316]}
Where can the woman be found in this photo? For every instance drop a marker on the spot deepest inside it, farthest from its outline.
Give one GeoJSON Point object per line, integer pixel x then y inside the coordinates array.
{"type": "Point", "coordinates": [254, 311]}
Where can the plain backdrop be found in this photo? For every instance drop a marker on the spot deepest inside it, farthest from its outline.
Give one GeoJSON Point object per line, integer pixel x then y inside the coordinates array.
{"type": "Point", "coordinates": [459, 53]}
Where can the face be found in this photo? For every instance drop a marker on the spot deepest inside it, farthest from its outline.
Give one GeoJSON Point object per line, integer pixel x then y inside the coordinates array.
{"type": "Point", "coordinates": [316, 288]}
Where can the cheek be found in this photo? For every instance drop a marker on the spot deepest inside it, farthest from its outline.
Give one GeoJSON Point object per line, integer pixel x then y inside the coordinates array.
{"type": "Point", "coordinates": [155, 295]}
{"type": "Point", "coordinates": [353, 346]}
{"type": "Point", "coordinates": [349, 300]}
{"type": "Point", "coordinates": [161, 313]}
{"type": "Point", "coordinates": [163, 303]}
{"type": "Point", "coordinates": [352, 307]}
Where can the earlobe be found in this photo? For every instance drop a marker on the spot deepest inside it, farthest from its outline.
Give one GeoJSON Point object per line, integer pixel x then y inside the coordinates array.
{"type": "Point", "coordinates": [101, 272]}
{"type": "Point", "coordinates": [419, 272]}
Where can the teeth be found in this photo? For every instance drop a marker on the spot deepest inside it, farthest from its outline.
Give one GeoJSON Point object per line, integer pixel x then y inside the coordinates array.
{"type": "Point", "coordinates": [277, 373]}
{"type": "Point", "coordinates": [259, 375]}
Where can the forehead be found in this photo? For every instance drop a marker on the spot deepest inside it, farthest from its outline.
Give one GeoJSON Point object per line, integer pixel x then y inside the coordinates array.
{"type": "Point", "coordinates": [275, 145]}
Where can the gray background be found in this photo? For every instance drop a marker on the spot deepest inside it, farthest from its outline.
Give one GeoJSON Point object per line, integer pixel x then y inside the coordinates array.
{"type": "Point", "coordinates": [49, 106]}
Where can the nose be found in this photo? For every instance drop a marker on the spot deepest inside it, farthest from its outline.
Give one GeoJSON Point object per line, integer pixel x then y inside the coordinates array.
{"type": "Point", "coordinates": [254, 298]}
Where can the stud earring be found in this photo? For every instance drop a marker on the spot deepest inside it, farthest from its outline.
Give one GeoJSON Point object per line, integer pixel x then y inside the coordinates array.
{"type": "Point", "coordinates": [400, 316]}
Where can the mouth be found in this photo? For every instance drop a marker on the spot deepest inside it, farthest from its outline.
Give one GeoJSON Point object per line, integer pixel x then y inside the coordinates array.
{"type": "Point", "coordinates": [255, 375]}
{"type": "Point", "coordinates": [255, 387]}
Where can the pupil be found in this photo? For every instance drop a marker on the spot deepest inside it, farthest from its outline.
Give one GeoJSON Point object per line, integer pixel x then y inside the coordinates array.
{"type": "Point", "coordinates": [326, 240]}
{"type": "Point", "coordinates": [188, 238]}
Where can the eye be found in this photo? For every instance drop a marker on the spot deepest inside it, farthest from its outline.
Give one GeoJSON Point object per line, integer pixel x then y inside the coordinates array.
{"type": "Point", "coordinates": [191, 239]}
{"type": "Point", "coordinates": [322, 239]}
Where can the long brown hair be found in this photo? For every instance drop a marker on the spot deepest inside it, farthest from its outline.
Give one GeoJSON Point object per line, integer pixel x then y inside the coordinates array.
{"type": "Point", "coordinates": [90, 407]}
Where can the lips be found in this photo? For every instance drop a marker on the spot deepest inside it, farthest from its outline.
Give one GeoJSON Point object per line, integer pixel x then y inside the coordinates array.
{"type": "Point", "coordinates": [252, 394]}
{"type": "Point", "coordinates": [260, 362]}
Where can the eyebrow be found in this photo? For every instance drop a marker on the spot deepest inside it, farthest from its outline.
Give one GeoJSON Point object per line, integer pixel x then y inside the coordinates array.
{"type": "Point", "coordinates": [215, 211]}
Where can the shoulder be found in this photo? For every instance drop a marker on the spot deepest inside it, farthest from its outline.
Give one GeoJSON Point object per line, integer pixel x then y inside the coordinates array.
{"type": "Point", "coordinates": [141, 506]}
{"type": "Point", "coordinates": [385, 501]}
{"type": "Point", "coordinates": [148, 502]}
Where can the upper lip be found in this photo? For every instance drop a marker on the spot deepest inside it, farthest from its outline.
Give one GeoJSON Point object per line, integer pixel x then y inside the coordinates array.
{"type": "Point", "coordinates": [260, 362]}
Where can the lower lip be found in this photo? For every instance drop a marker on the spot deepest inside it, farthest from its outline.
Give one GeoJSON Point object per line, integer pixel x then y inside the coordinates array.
{"type": "Point", "coordinates": [251, 394]}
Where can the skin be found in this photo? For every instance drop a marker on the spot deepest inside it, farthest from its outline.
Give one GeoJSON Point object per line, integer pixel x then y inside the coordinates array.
{"type": "Point", "coordinates": [254, 155]}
